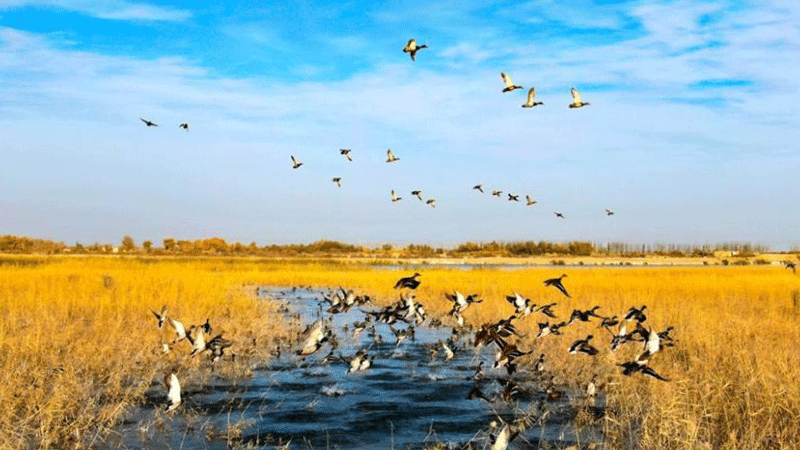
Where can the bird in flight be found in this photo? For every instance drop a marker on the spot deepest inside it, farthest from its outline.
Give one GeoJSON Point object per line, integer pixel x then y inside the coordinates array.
{"type": "Point", "coordinates": [148, 123]}
{"type": "Point", "coordinates": [295, 163]}
{"type": "Point", "coordinates": [576, 99]}
{"type": "Point", "coordinates": [395, 198]}
{"type": "Point", "coordinates": [185, 126]}
{"type": "Point", "coordinates": [417, 194]}
{"type": "Point", "coordinates": [431, 202]}
{"type": "Point", "coordinates": [609, 212]}
{"type": "Point", "coordinates": [530, 103]}
{"type": "Point", "coordinates": [338, 181]}
{"type": "Point", "coordinates": [510, 86]}
{"type": "Point", "coordinates": [558, 214]}
{"type": "Point", "coordinates": [346, 153]}
{"type": "Point", "coordinates": [529, 201]}
{"type": "Point", "coordinates": [556, 283]}
{"type": "Point", "coordinates": [412, 48]}
{"type": "Point", "coordinates": [390, 158]}
{"type": "Point", "coordinates": [790, 265]}
{"type": "Point", "coordinates": [512, 197]}
{"type": "Point", "coordinates": [497, 193]}
{"type": "Point", "coordinates": [478, 187]}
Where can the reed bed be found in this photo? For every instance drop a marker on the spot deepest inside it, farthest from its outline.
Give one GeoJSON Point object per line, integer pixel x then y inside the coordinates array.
{"type": "Point", "coordinates": [78, 343]}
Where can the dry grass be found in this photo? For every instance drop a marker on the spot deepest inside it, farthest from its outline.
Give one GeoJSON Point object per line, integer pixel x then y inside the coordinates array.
{"type": "Point", "coordinates": [76, 349]}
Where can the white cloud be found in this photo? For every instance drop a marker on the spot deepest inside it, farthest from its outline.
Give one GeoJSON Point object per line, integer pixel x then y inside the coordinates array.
{"type": "Point", "coordinates": [106, 9]}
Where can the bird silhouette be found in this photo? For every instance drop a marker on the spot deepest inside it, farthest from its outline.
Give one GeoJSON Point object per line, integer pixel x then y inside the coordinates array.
{"type": "Point", "coordinates": [346, 153]}
{"type": "Point", "coordinates": [185, 126]}
{"type": "Point", "coordinates": [510, 86]}
{"type": "Point", "coordinates": [390, 158]}
{"type": "Point", "coordinates": [395, 198]}
{"type": "Point", "coordinates": [412, 48]}
{"type": "Point", "coordinates": [338, 181]}
{"type": "Point", "coordinates": [148, 123]}
{"type": "Point", "coordinates": [478, 187]}
{"type": "Point", "coordinates": [530, 103]}
{"type": "Point", "coordinates": [529, 201]}
{"type": "Point", "coordinates": [558, 214]}
{"type": "Point", "coordinates": [556, 283]}
{"type": "Point", "coordinates": [576, 99]}
{"type": "Point", "coordinates": [295, 163]}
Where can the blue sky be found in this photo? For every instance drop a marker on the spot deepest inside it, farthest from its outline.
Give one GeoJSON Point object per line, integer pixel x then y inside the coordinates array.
{"type": "Point", "coordinates": [691, 136]}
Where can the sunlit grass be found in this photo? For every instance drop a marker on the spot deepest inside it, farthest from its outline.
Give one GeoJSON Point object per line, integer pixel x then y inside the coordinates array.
{"type": "Point", "coordinates": [78, 342]}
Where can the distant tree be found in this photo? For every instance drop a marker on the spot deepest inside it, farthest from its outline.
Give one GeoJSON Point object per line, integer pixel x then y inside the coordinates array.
{"type": "Point", "coordinates": [128, 245]}
{"type": "Point", "coordinates": [169, 244]}
{"type": "Point", "coordinates": [148, 246]}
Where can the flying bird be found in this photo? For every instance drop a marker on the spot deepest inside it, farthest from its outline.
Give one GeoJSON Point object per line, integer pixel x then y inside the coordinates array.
{"type": "Point", "coordinates": [510, 86]}
{"type": "Point", "coordinates": [558, 214]}
{"type": "Point", "coordinates": [417, 194]}
{"type": "Point", "coordinates": [529, 201]}
{"type": "Point", "coordinates": [162, 316]}
{"type": "Point", "coordinates": [185, 126]}
{"type": "Point", "coordinates": [295, 163]}
{"type": "Point", "coordinates": [395, 198]}
{"type": "Point", "coordinates": [512, 197]}
{"type": "Point", "coordinates": [556, 283]}
{"type": "Point", "coordinates": [478, 187]}
{"type": "Point", "coordinates": [408, 282]}
{"type": "Point", "coordinates": [338, 181]}
{"type": "Point", "coordinates": [346, 153]}
{"type": "Point", "coordinates": [530, 103]}
{"type": "Point", "coordinates": [576, 99]}
{"type": "Point", "coordinates": [148, 123]}
{"type": "Point", "coordinates": [635, 366]}
{"type": "Point", "coordinates": [390, 158]}
{"type": "Point", "coordinates": [173, 391]}
{"type": "Point", "coordinates": [791, 265]}
{"type": "Point", "coordinates": [431, 202]}
{"type": "Point", "coordinates": [412, 48]}
{"type": "Point", "coordinates": [609, 212]}
{"type": "Point", "coordinates": [497, 193]}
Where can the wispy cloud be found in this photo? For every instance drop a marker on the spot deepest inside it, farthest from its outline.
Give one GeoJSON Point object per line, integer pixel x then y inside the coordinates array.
{"type": "Point", "coordinates": [106, 9]}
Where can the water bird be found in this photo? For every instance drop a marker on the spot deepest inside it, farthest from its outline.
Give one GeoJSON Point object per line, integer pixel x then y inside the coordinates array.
{"type": "Point", "coordinates": [337, 180]}
{"type": "Point", "coordinates": [546, 310]}
{"type": "Point", "coordinates": [206, 327]}
{"type": "Point", "coordinates": [417, 194]}
{"type": "Point", "coordinates": [478, 187]}
{"type": "Point", "coordinates": [431, 202]}
{"type": "Point", "coordinates": [529, 201]}
{"type": "Point", "coordinates": [609, 322]}
{"type": "Point", "coordinates": [346, 153]}
{"type": "Point", "coordinates": [632, 367]}
{"type": "Point", "coordinates": [197, 337]}
{"type": "Point", "coordinates": [395, 198]}
{"type": "Point", "coordinates": [216, 348]}
{"type": "Point", "coordinates": [530, 103]}
{"type": "Point", "coordinates": [609, 212]}
{"type": "Point", "coordinates": [412, 48]}
{"type": "Point", "coordinates": [501, 440]}
{"type": "Point", "coordinates": [584, 316]}
{"type": "Point", "coordinates": [546, 328]}
{"type": "Point", "coordinates": [636, 314]}
{"type": "Point", "coordinates": [185, 126]}
{"type": "Point", "coordinates": [476, 392]}
{"type": "Point", "coordinates": [295, 164]}
{"type": "Point", "coordinates": [408, 282]}
{"type": "Point", "coordinates": [148, 123]}
{"type": "Point", "coordinates": [497, 193]}
{"type": "Point", "coordinates": [161, 317]}
{"type": "Point", "coordinates": [360, 362]}
{"type": "Point", "coordinates": [180, 330]}
{"type": "Point", "coordinates": [460, 302]}
{"type": "Point", "coordinates": [556, 283]}
{"type": "Point", "coordinates": [576, 99]}
{"type": "Point", "coordinates": [478, 375]}
{"type": "Point", "coordinates": [173, 391]}
{"type": "Point", "coordinates": [390, 158]}
{"type": "Point", "coordinates": [510, 86]}
{"type": "Point", "coordinates": [559, 215]}
{"type": "Point", "coordinates": [512, 197]}
{"type": "Point", "coordinates": [791, 265]}
{"type": "Point", "coordinates": [522, 305]}
{"type": "Point", "coordinates": [582, 345]}
{"type": "Point", "coordinates": [538, 367]}
{"type": "Point", "coordinates": [314, 336]}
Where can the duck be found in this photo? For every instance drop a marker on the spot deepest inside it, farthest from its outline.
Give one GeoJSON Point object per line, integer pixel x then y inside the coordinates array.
{"type": "Point", "coordinates": [497, 193]}
{"type": "Point", "coordinates": [609, 212]}
{"type": "Point", "coordinates": [313, 337]}
{"type": "Point", "coordinates": [529, 201]}
{"type": "Point", "coordinates": [557, 283]}
{"type": "Point", "coordinates": [180, 330]}
{"type": "Point", "coordinates": [510, 86]}
{"type": "Point", "coordinates": [478, 187]}
{"type": "Point", "coordinates": [185, 126]}
{"type": "Point", "coordinates": [501, 440]}
{"type": "Point", "coordinates": [337, 180]}
{"type": "Point", "coordinates": [206, 327]}
{"type": "Point", "coordinates": [408, 282]}
{"type": "Point", "coordinates": [390, 158]}
{"type": "Point", "coordinates": [636, 314]}
{"type": "Point", "coordinates": [412, 48]}
{"type": "Point", "coordinates": [546, 310]}
{"type": "Point", "coordinates": [346, 153]}
{"type": "Point", "coordinates": [584, 316]}
{"type": "Point", "coordinates": [576, 99]}
{"type": "Point", "coordinates": [160, 317]}
{"type": "Point", "coordinates": [395, 198]}
{"type": "Point", "coordinates": [431, 202]}
{"type": "Point", "coordinates": [559, 215]}
{"type": "Point", "coordinates": [609, 322]}
{"type": "Point", "coordinates": [148, 123]}
{"type": "Point", "coordinates": [417, 194]}
{"type": "Point", "coordinates": [512, 197]}
{"type": "Point", "coordinates": [530, 103]}
{"type": "Point", "coordinates": [295, 163]}
{"type": "Point", "coordinates": [476, 392]}
{"type": "Point", "coordinates": [631, 367]}
{"type": "Point", "coordinates": [173, 391]}
{"type": "Point", "coordinates": [522, 305]}
{"type": "Point", "coordinates": [582, 345]}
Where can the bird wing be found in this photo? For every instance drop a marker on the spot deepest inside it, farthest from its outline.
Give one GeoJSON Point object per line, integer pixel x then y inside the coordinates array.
{"type": "Point", "coordinates": [561, 288]}
{"type": "Point", "coordinates": [174, 394]}
{"type": "Point", "coordinates": [575, 95]}
{"type": "Point", "coordinates": [294, 161]}
{"type": "Point", "coordinates": [531, 95]}
{"type": "Point", "coordinates": [507, 79]}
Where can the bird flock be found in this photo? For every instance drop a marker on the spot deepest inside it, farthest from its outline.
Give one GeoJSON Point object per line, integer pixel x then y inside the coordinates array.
{"type": "Point", "coordinates": [411, 48]}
